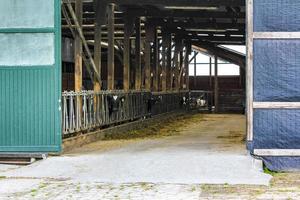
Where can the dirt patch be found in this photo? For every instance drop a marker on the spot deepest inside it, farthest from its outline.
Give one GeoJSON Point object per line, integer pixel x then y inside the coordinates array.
{"type": "Point", "coordinates": [170, 126]}
{"type": "Point", "coordinates": [166, 127]}
{"type": "Point", "coordinates": [234, 136]}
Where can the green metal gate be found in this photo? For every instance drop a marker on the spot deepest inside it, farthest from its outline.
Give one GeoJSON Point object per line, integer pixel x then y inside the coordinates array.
{"type": "Point", "coordinates": [30, 76]}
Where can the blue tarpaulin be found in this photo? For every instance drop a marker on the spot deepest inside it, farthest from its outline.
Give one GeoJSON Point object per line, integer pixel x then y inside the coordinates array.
{"type": "Point", "coordinates": [276, 76]}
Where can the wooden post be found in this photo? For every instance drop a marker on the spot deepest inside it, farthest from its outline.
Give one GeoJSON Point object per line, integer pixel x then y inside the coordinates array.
{"type": "Point", "coordinates": [148, 30]}
{"type": "Point", "coordinates": [181, 68]}
{"type": "Point", "coordinates": [210, 74]}
{"type": "Point", "coordinates": [111, 46]}
{"type": "Point", "coordinates": [78, 48]}
{"type": "Point", "coordinates": [99, 20]}
{"type": "Point", "coordinates": [242, 76]}
{"type": "Point", "coordinates": [169, 61]}
{"type": "Point", "coordinates": [186, 66]}
{"type": "Point", "coordinates": [195, 71]}
{"type": "Point", "coordinates": [126, 54]}
{"type": "Point", "coordinates": [138, 66]}
{"type": "Point", "coordinates": [216, 86]}
{"type": "Point", "coordinates": [177, 63]}
{"type": "Point", "coordinates": [156, 62]}
{"type": "Point", "coordinates": [91, 64]}
{"type": "Point", "coordinates": [164, 60]}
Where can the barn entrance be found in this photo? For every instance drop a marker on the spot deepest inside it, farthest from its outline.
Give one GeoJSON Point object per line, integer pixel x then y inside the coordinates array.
{"type": "Point", "coordinates": [121, 61]}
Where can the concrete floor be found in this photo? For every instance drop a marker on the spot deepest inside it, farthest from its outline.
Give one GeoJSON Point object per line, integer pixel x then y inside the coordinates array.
{"type": "Point", "coordinates": [206, 149]}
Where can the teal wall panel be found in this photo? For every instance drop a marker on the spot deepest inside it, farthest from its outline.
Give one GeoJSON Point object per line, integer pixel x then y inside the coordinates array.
{"type": "Point", "coordinates": [30, 78]}
{"type": "Point", "coordinates": [28, 106]}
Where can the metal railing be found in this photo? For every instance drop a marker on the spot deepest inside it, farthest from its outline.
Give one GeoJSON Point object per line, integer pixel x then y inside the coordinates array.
{"type": "Point", "coordinates": [201, 100]}
{"type": "Point", "coordinates": [87, 110]}
{"type": "Point", "coordinates": [169, 102]}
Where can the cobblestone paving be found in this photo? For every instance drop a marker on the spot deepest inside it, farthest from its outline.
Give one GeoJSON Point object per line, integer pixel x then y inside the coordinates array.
{"type": "Point", "coordinates": [62, 190]}
{"type": "Point", "coordinates": [285, 186]}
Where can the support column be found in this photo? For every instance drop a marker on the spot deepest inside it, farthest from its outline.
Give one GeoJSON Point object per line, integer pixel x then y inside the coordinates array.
{"type": "Point", "coordinates": [99, 21]}
{"type": "Point", "coordinates": [195, 71]}
{"type": "Point", "coordinates": [216, 86]}
{"type": "Point", "coordinates": [242, 76]}
{"type": "Point", "coordinates": [169, 62]}
{"type": "Point", "coordinates": [164, 60]}
{"type": "Point", "coordinates": [186, 66]}
{"type": "Point", "coordinates": [210, 74]}
{"type": "Point", "coordinates": [156, 62]}
{"type": "Point", "coordinates": [177, 63]}
{"type": "Point", "coordinates": [111, 50]}
{"type": "Point", "coordinates": [78, 48]}
{"type": "Point", "coordinates": [148, 30]}
{"type": "Point", "coordinates": [138, 66]}
{"type": "Point", "coordinates": [126, 54]}
{"type": "Point", "coordinates": [181, 68]}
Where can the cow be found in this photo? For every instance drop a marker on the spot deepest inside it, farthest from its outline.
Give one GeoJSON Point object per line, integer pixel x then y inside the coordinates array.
{"type": "Point", "coordinates": [115, 103]}
{"type": "Point", "coordinates": [153, 101]}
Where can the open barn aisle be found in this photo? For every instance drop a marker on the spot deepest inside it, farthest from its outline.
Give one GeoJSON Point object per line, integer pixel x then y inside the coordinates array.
{"type": "Point", "coordinates": [203, 149]}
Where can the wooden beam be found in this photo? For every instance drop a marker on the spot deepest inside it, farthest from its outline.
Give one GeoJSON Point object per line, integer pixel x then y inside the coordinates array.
{"type": "Point", "coordinates": [249, 71]}
{"type": "Point", "coordinates": [111, 49]}
{"type": "Point", "coordinates": [99, 21]}
{"type": "Point", "coordinates": [126, 53]}
{"type": "Point", "coordinates": [216, 90]}
{"type": "Point", "coordinates": [276, 105]}
{"type": "Point", "coordinates": [195, 54]}
{"type": "Point", "coordinates": [138, 66]}
{"type": "Point", "coordinates": [185, 3]}
{"type": "Point", "coordinates": [83, 40]}
{"type": "Point", "coordinates": [186, 66]}
{"type": "Point", "coordinates": [178, 47]}
{"type": "Point", "coordinates": [181, 69]}
{"type": "Point", "coordinates": [277, 152]}
{"type": "Point", "coordinates": [169, 61]}
{"type": "Point", "coordinates": [164, 60]}
{"type": "Point", "coordinates": [78, 48]}
{"type": "Point", "coordinates": [195, 70]}
{"type": "Point", "coordinates": [84, 57]}
{"type": "Point", "coordinates": [156, 61]}
{"type": "Point", "coordinates": [210, 74]}
{"type": "Point", "coordinates": [148, 41]}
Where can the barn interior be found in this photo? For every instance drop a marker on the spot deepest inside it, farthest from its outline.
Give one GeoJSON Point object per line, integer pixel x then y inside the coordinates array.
{"type": "Point", "coordinates": [123, 60]}
{"type": "Point", "coordinates": [128, 62]}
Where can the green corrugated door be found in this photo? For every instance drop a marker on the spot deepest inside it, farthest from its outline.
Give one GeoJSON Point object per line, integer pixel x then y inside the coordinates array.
{"type": "Point", "coordinates": [30, 76]}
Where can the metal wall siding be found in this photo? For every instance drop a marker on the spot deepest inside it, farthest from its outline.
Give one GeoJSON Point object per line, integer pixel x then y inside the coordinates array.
{"type": "Point", "coordinates": [29, 103]}
{"type": "Point", "coordinates": [276, 15]}
{"type": "Point", "coordinates": [276, 70]}
{"type": "Point", "coordinates": [27, 108]}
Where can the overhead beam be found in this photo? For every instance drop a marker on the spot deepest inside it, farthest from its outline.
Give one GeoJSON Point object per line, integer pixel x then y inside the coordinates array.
{"type": "Point", "coordinates": [185, 3]}
{"type": "Point", "coordinates": [224, 53]}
